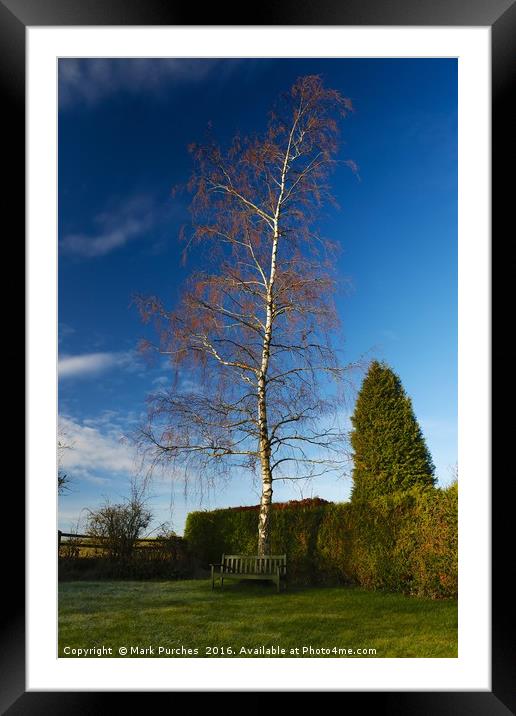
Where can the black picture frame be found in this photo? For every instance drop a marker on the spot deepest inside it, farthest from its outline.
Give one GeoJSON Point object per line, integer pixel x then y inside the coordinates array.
{"type": "Point", "coordinates": [500, 16]}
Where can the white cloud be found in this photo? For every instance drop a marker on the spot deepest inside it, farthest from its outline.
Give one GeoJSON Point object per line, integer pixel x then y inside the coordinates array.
{"type": "Point", "coordinates": [93, 452]}
{"type": "Point", "coordinates": [161, 380]}
{"type": "Point", "coordinates": [115, 227]}
{"type": "Point", "coordinates": [91, 364]}
{"type": "Point", "coordinates": [102, 243]}
{"type": "Point", "coordinates": [89, 81]}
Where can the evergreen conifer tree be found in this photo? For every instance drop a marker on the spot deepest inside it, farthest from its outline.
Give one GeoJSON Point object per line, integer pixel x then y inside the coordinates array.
{"type": "Point", "coordinates": [389, 450]}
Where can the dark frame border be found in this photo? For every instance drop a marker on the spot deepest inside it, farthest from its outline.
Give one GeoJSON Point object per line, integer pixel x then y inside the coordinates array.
{"type": "Point", "coordinates": [500, 15]}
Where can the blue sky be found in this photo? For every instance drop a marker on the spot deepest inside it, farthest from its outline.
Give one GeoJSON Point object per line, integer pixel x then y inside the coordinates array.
{"type": "Point", "coordinates": [124, 128]}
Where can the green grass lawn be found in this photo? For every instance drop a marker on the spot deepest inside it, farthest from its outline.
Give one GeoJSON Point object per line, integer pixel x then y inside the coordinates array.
{"type": "Point", "coordinates": [188, 614]}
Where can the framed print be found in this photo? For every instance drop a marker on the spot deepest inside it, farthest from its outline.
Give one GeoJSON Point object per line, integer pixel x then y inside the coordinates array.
{"type": "Point", "coordinates": [116, 104]}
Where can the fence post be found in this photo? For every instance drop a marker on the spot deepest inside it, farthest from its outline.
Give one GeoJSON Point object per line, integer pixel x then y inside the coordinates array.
{"type": "Point", "coordinates": [58, 539]}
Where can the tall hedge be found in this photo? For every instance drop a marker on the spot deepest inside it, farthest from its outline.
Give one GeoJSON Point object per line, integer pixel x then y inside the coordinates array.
{"type": "Point", "coordinates": [405, 542]}
{"type": "Point", "coordinates": [389, 450]}
{"type": "Point", "coordinates": [294, 530]}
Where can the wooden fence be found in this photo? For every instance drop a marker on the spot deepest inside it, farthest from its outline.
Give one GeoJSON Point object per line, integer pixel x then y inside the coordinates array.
{"type": "Point", "coordinates": [92, 542]}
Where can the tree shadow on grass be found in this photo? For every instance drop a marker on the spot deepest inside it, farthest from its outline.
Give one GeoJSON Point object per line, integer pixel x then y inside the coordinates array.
{"type": "Point", "coordinates": [259, 588]}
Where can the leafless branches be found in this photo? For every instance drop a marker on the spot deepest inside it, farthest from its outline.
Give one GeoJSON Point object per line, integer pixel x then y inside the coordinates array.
{"type": "Point", "coordinates": [254, 324]}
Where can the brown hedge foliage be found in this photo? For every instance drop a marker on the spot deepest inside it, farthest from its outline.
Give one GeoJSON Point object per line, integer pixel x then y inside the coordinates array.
{"type": "Point", "coordinates": [307, 502]}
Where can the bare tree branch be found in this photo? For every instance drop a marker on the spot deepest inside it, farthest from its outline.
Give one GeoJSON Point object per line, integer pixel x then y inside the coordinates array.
{"type": "Point", "coordinates": [254, 327]}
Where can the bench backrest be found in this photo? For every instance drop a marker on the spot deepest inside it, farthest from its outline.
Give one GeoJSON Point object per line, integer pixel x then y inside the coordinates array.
{"type": "Point", "coordinates": [244, 564]}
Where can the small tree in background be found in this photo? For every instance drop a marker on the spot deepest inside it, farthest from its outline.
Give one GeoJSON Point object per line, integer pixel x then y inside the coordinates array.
{"type": "Point", "coordinates": [63, 482]}
{"type": "Point", "coordinates": [120, 525]}
{"type": "Point", "coordinates": [63, 479]}
{"type": "Point", "coordinates": [389, 450]}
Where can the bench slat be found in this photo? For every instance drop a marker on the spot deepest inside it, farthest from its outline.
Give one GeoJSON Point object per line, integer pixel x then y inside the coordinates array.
{"type": "Point", "coordinates": [253, 565]}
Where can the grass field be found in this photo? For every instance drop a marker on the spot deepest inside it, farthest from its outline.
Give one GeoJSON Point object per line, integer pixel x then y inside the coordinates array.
{"type": "Point", "coordinates": [183, 615]}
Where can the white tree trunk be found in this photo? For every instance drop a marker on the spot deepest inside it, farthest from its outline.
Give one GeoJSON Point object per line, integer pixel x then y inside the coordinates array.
{"type": "Point", "coordinates": [265, 447]}
{"type": "Point", "coordinates": [265, 453]}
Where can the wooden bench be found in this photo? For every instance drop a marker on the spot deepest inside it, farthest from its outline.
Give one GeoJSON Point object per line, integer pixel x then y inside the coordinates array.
{"type": "Point", "coordinates": [239, 566]}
